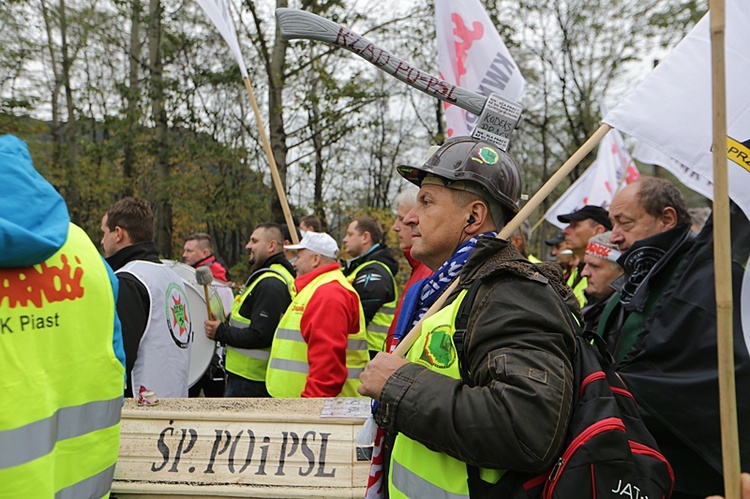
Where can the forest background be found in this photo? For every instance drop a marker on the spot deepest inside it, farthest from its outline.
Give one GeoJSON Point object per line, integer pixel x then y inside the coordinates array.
{"type": "Point", "coordinates": [144, 98]}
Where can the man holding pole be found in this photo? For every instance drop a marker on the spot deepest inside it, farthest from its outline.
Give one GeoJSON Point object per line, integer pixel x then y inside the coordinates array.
{"type": "Point", "coordinates": [461, 415]}
{"type": "Point", "coordinates": [255, 313]}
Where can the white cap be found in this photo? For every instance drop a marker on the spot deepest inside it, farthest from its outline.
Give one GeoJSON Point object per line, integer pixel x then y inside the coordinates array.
{"type": "Point", "coordinates": [317, 242]}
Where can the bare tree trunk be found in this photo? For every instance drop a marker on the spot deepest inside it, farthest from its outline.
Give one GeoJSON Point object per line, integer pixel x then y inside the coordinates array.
{"type": "Point", "coordinates": [275, 107]}
{"type": "Point", "coordinates": [440, 136]}
{"type": "Point", "coordinates": [133, 97]}
{"type": "Point", "coordinates": [163, 208]}
{"type": "Point", "coordinates": [69, 136]}
{"type": "Point", "coordinates": [55, 98]}
{"type": "Point", "coordinates": [317, 139]}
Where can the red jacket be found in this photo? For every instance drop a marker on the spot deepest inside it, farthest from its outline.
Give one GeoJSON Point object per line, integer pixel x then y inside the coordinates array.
{"type": "Point", "coordinates": [331, 315]}
{"type": "Point", "coordinates": [218, 270]}
{"type": "Point", "coordinates": [418, 272]}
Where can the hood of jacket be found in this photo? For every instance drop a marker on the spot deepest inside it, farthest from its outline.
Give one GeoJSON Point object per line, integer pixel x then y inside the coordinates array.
{"type": "Point", "coordinates": [34, 218]}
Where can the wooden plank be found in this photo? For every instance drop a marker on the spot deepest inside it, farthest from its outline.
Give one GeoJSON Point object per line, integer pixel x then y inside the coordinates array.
{"type": "Point", "coordinates": [242, 448]}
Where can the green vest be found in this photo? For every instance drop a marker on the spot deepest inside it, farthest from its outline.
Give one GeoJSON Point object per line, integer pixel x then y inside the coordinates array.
{"type": "Point", "coordinates": [579, 288]}
{"type": "Point", "coordinates": [288, 367]}
{"type": "Point", "coordinates": [415, 470]}
{"type": "Point", "coordinates": [61, 384]}
{"type": "Point", "coordinates": [377, 329]}
{"type": "Point", "coordinates": [252, 363]}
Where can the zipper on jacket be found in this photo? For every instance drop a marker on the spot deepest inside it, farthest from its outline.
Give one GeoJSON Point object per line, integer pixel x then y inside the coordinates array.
{"type": "Point", "coordinates": [581, 439]}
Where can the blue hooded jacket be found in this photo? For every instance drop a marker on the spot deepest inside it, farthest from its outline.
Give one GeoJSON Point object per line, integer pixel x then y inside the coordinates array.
{"type": "Point", "coordinates": [34, 218]}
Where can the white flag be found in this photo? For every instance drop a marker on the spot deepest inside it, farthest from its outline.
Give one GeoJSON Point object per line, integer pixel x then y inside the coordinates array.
{"type": "Point", "coordinates": [573, 199]}
{"type": "Point", "coordinates": [218, 12]}
{"type": "Point", "coordinates": [472, 55]}
{"type": "Point", "coordinates": [652, 156]}
{"type": "Point", "coordinates": [612, 170]}
{"type": "Point", "coordinates": [672, 112]}
{"type": "Point", "coordinates": [671, 109]}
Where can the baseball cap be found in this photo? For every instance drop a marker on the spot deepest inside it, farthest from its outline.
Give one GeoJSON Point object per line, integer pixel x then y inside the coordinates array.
{"type": "Point", "coordinates": [595, 213]}
{"type": "Point", "coordinates": [556, 239]}
{"type": "Point", "coordinates": [317, 242]}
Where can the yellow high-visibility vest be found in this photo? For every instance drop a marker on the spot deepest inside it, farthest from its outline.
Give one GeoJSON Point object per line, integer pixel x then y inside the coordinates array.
{"type": "Point", "coordinates": [288, 367]}
{"type": "Point", "coordinates": [253, 363]}
{"type": "Point", "coordinates": [61, 384]}
{"type": "Point", "coordinates": [578, 288]}
{"type": "Point", "coordinates": [377, 329]}
{"type": "Point", "coordinates": [415, 470]}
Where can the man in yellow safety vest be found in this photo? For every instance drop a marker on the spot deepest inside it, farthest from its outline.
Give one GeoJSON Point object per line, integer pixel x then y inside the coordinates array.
{"type": "Point", "coordinates": [255, 313]}
{"type": "Point", "coordinates": [319, 348]}
{"type": "Point", "coordinates": [466, 406]}
{"type": "Point", "coordinates": [371, 273]}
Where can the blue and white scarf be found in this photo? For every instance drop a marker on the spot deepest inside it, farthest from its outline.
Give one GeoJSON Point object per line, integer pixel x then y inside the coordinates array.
{"type": "Point", "coordinates": [423, 294]}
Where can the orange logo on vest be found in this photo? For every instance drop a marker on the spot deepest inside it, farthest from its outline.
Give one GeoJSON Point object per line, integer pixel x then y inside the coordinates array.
{"type": "Point", "coordinates": [33, 284]}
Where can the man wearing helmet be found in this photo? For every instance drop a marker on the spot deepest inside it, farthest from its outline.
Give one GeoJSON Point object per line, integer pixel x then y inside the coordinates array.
{"type": "Point", "coordinates": [462, 415]}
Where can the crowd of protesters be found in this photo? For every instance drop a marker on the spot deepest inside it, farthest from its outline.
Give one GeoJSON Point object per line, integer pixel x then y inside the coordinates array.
{"type": "Point", "coordinates": [462, 408]}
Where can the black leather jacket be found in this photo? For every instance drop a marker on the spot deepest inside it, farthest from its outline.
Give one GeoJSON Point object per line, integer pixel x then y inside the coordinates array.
{"type": "Point", "coordinates": [519, 347]}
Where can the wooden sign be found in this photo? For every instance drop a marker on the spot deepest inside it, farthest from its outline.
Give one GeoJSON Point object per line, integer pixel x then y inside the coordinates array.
{"type": "Point", "coordinates": [243, 448]}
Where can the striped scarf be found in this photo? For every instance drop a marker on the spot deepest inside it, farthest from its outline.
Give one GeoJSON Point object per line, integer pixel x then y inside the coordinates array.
{"type": "Point", "coordinates": [432, 287]}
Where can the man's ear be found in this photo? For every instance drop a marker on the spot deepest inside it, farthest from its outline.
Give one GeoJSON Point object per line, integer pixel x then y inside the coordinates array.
{"type": "Point", "coordinates": [479, 212]}
{"type": "Point", "coordinates": [669, 217]}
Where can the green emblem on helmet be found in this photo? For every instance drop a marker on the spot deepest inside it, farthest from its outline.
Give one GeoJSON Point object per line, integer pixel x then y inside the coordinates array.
{"type": "Point", "coordinates": [438, 349]}
{"type": "Point", "coordinates": [487, 156]}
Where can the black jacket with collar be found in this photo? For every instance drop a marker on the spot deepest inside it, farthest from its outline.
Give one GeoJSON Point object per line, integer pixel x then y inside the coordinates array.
{"type": "Point", "coordinates": [264, 307]}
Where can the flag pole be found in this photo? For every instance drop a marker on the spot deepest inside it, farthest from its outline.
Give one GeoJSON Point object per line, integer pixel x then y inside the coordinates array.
{"type": "Point", "coordinates": [272, 162]}
{"type": "Point", "coordinates": [407, 341]}
{"type": "Point", "coordinates": [723, 259]}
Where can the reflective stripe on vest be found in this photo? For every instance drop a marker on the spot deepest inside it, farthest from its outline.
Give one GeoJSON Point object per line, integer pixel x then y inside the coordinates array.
{"type": "Point", "coordinates": [288, 367]}
{"type": "Point", "coordinates": [377, 329]}
{"type": "Point", "coordinates": [64, 444]}
{"type": "Point", "coordinates": [415, 470]}
{"type": "Point", "coordinates": [252, 364]}
{"type": "Point", "coordinates": [39, 438]}
{"type": "Point", "coordinates": [94, 486]}
{"type": "Point", "coordinates": [412, 485]}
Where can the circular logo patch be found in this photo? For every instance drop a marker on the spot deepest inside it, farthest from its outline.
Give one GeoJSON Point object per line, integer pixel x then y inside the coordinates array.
{"type": "Point", "coordinates": [178, 315]}
{"type": "Point", "coordinates": [438, 349]}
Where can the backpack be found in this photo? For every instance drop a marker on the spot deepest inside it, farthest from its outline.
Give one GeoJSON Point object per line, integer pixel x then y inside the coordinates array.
{"type": "Point", "coordinates": [608, 451]}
